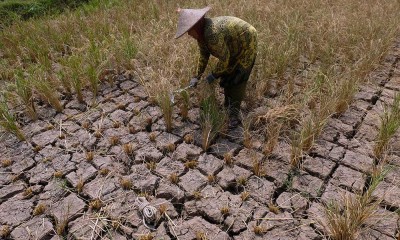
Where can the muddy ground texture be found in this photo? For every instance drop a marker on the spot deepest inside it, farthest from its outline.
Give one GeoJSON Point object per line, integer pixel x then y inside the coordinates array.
{"type": "Point", "coordinates": [54, 189]}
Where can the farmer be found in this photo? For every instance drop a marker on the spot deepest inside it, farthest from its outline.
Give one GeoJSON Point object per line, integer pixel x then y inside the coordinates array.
{"type": "Point", "coordinates": [231, 40]}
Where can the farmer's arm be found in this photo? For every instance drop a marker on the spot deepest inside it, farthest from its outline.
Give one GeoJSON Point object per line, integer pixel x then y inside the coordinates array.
{"type": "Point", "coordinates": [203, 60]}
{"type": "Point", "coordinates": [222, 66]}
{"type": "Point", "coordinates": [220, 48]}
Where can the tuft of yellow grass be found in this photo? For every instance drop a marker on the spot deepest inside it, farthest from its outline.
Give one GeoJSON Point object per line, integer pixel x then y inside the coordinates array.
{"type": "Point", "coordinates": [126, 183]}
{"type": "Point", "coordinates": [244, 195]}
{"type": "Point", "coordinates": [6, 163]}
{"type": "Point", "coordinates": [39, 209]}
{"type": "Point", "coordinates": [166, 105]}
{"type": "Point", "coordinates": [173, 178]}
{"type": "Point", "coordinates": [390, 123]}
{"type": "Point", "coordinates": [345, 219]}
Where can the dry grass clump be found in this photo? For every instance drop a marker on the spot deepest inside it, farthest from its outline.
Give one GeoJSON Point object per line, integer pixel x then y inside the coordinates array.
{"type": "Point", "coordinates": [390, 123]}
{"type": "Point", "coordinates": [24, 90]}
{"type": "Point", "coordinates": [345, 94]}
{"type": "Point", "coordinates": [285, 114]}
{"type": "Point", "coordinates": [126, 183]}
{"type": "Point", "coordinates": [116, 124]}
{"type": "Point", "coordinates": [173, 178]}
{"type": "Point", "coordinates": [16, 177]}
{"type": "Point", "coordinates": [273, 208]}
{"type": "Point", "coordinates": [8, 121]}
{"type": "Point", "coordinates": [115, 224]}
{"type": "Point", "coordinates": [5, 231]}
{"type": "Point", "coordinates": [228, 159]}
{"type": "Point", "coordinates": [104, 171]}
{"type": "Point", "coordinates": [272, 137]}
{"type": "Point", "coordinates": [275, 120]}
{"type": "Point", "coordinates": [147, 236]}
{"type": "Point", "coordinates": [89, 156]}
{"type": "Point", "coordinates": [201, 235]}
{"type": "Point", "coordinates": [190, 164]}
{"type": "Point", "coordinates": [6, 163]}
{"type": "Point", "coordinates": [162, 209]}
{"type": "Point", "coordinates": [37, 148]}
{"type": "Point", "coordinates": [128, 149]}
{"type": "Point", "coordinates": [28, 192]}
{"type": "Point", "coordinates": [86, 124]}
{"type": "Point", "coordinates": [246, 125]}
{"type": "Point", "coordinates": [39, 209]}
{"type": "Point", "coordinates": [212, 119]}
{"type": "Point", "coordinates": [61, 225]}
{"type": "Point", "coordinates": [80, 185]}
{"type": "Point", "coordinates": [132, 129]}
{"type": "Point", "coordinates": [211, 178]}
{"type": "Point", "coordinates": [121, 106]}
{"type": "Point", "coordinates": [241, 181]}
{"type": "Point", "coordinates": [166, 105]}
{"type": "Point", "coordinates": [170, 147]}
{"type": "Point", "coordinates": [197, 195]}
{"type": "Point", "coordinates": [98, 133]}
{"type": "Point", "coordinates": [153, 136]}
{"type": "Point", "coordinates": [58, 174]}
{"type": "Point", "coordinates": [96, 204]}
{"type": "Point", "coordinates": [258, 230]}
{"type": "Point", "coordinates": [152, 165]}
{"type": "Point", "coordinates": [225, 210]}
{"type": "Point", "coordinates": [44, 85]}
{"type": "Point", "coordinates": [244, 195]}
{"type": "Point", "coordinates": [346, 219]}
{"type": "Point", "coordinates": [188, 138]}
{"type": "Point", "coordinates": [114, 140]}
{"type": "Point", "coordinates": [258, 168]}
{"type": "Point", "coordinates": [184, 104]}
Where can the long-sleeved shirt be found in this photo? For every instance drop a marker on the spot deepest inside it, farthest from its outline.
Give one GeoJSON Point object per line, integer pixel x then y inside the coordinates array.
{"type": "Point", "coordinates": [231, 40]}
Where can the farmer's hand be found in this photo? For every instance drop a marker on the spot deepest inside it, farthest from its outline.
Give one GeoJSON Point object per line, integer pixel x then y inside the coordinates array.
{"type": "Point", "coordinates": [210, 78]}
{"type": "Point", "coordinates": [193, 82]}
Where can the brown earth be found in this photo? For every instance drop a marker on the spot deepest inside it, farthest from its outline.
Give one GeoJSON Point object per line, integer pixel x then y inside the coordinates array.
{"type": "Point", "coordinates": [53, 170]}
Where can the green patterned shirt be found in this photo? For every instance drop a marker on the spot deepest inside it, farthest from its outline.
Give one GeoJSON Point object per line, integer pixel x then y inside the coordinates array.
{"type": "Point", "coordinates": [231, 40]}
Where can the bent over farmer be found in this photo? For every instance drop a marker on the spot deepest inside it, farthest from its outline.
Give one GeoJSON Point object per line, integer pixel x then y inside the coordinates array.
{"type": "Point", "coordinates": [231, 40]}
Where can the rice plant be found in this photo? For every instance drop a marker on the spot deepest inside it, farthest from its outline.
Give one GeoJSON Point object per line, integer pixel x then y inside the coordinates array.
{"type": "Point", "coordinates": [184, 104]}
{"type": "Point", "coordinates": [64, 80]}
{"type": "Point", "coordinates": [8, 121]}
{"type": "Point", "coordinates": [125, 50]}
{"type": "Point", "coordinates": [272, 137]}
{"type": "Point", "coordinates": [166, 105]}
{"type": "Point", "coordinates": [345, 220]}
{"type": "Point", "coordinates": [246, 123]}
{"type": "Point", "coordinates": [295, 38]}
{"type": "Point", "coordinates": [344, 95]}
{"type": "Point", "coordinates": [73, 66]}
{"type": "Point", "coordinates": [44, 86]}
{"type": "Point", "coordinates": [95, 62]}
{"type": "Point", "coordinates": [390, 123]}
{"type": "Point", "coordinates": [23, 88]}
{"type": "Point", "coordinates": [296, 152]}
{"type": "Point", "coordinates": [212, 120]}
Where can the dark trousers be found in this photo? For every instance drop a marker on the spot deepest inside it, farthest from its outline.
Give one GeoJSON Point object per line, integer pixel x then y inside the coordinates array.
{"type": "Point", "coordinates": [234, 89]}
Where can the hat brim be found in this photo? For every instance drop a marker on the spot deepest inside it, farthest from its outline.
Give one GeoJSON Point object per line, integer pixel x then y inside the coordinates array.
{"type": "Point", "coordinates": [188, 18]}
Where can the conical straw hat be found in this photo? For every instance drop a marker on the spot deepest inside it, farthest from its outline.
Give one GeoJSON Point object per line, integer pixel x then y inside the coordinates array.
{"type": "Point", "coordinates": [188, 18]}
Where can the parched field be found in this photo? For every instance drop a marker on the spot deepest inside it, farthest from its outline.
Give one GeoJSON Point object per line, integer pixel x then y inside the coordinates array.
{"type": "Point", "coordinates": [88, 128]}
{"type": "Point", "coordinates": [55, 187]}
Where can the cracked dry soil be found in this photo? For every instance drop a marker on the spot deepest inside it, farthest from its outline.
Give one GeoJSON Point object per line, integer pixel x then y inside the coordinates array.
{"type": "Point", "coordinates": [81, 171]}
